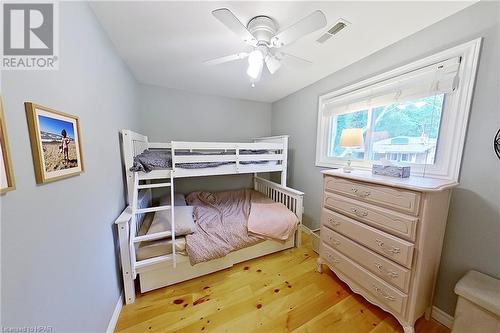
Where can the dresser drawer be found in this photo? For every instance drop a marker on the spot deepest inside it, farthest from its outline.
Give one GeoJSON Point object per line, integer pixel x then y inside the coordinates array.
{"type": "Point", "coordinates": [403, 200]}
{"type": "Point", "coordinates": [382, 292]}
{"type": "Point", "coordinates": [384, 268]}
{"type": "Point", "coordinates": [398, 224]}
{"type": "Point", "coordinates": [389, 246]}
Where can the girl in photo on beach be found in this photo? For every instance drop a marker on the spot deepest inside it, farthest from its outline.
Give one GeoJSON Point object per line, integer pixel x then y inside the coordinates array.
{"type": "Point", "coordinates": [65, 145]}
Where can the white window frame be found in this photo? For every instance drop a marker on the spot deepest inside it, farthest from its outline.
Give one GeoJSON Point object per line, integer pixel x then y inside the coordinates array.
{"type": "Point", "coordinates": [454, 119]}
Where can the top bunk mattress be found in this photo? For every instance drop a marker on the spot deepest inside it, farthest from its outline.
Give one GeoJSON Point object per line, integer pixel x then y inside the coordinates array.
{"type": "Point", "coordinates": [155, 159]}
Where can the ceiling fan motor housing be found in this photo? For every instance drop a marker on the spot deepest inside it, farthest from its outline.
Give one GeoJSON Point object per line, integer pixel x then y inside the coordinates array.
{"type": "Point", "coordinates": [263, 28]}
{"type": "Point", "coordinates": [261, 33]}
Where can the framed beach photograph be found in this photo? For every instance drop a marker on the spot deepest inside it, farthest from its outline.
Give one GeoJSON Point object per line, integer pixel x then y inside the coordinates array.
{"type": "Point", "coordinates": [55, 143]}
{"type": "Point", "coordinates": [7, 182]}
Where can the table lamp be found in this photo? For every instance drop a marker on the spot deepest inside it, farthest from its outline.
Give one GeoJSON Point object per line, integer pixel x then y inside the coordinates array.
{"type": "Point", "coordinates": [351, 138]}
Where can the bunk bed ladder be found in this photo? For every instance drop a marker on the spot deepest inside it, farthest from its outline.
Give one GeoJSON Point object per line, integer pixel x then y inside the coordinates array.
{"type": "Point", "coordinates": [134, 226]}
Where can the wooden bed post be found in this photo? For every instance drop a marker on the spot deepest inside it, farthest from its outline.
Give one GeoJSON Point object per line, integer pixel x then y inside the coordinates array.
{"type": "Point", "coordinates": [127, 151]}
{"type": "Point", "coordinates": [122, 222]}
{"type": "Point", "coordinates": [285, 160]}
{"type": "Point", "coordinates": [299, 212]}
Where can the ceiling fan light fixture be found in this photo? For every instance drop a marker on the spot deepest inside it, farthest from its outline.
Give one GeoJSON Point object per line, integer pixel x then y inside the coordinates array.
{"type": "Point", "coordinates": [254, 72]}
{"type": "Point", "coordinates": [273, 63]}
{"type": "Point", "coordinates": [255, 64]}
{"type": "Point", "coordinates": [262, 34]}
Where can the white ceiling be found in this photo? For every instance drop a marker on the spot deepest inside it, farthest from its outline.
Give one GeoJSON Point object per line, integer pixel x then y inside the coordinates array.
{"type": "Point", "coordinates": [165, 43]}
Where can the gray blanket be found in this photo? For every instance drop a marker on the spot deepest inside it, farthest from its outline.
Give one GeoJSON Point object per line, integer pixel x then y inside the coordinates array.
{"type": "Point", "coordinates": [150, 160]}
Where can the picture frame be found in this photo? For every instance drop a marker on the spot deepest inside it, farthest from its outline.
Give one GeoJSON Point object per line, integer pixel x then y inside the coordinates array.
{"type": "Point", "coordinates": [56, 143]}
{"type": "Point", "coordinates": [7, 181]}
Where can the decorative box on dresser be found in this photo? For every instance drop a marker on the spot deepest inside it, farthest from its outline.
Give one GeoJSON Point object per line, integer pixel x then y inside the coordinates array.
{"type": "Point", "coordinates": [383, 237]}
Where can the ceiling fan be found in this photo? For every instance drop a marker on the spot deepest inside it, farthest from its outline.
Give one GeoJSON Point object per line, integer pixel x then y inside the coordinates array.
{"type": "Point", "coordinates": [262, 34]}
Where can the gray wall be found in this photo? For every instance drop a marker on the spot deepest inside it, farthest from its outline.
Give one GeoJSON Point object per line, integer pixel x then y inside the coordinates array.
{"type": "Point", "coordinates": [170, 114]}
{"type": "Point", "coordinates": [58, 253]}
{"type": "Point", "coordinates": [473, 233]}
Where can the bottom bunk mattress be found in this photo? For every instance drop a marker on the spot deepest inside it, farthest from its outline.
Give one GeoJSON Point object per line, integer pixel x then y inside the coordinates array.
{"type": "Point", "coordinates": [222, 222]}
{"type": "Point", "coordinates": [158, 222]}
{"type": "Point", "coordinates": [151, 249]}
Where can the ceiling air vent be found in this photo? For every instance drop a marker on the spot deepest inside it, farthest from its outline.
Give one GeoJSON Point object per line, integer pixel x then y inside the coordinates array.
{"type": "Point", "coordinates": [339, 26]}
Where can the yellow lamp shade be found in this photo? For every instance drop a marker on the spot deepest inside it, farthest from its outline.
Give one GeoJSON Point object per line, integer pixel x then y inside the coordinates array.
{"type": "Point", "coordinates": [351, 138]}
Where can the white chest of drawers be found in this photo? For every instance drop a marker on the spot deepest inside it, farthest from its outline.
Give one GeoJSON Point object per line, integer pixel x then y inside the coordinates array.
{"type": "Point", "coordinates": [383, 237]}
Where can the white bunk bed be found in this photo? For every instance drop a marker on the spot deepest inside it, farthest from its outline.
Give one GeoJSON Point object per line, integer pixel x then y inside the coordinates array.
{"type": "Point", "coordinates": [164, 270]}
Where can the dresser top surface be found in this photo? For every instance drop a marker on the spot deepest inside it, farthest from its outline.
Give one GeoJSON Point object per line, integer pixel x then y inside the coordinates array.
{"type": "Point", "coordinates": [415, 183]}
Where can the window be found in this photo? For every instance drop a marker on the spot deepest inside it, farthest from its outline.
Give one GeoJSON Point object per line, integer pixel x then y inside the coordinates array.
{"type": "Point", "coordinates": [392, 131]}
{"type": "Point", "coordinates": [358, 119]}
{"type": "Point", "coordinates": [415, 115]}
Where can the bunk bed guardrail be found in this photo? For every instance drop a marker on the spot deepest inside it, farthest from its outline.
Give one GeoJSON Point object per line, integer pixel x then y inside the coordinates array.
{"type": "Point", "coordinates": [276, 157]}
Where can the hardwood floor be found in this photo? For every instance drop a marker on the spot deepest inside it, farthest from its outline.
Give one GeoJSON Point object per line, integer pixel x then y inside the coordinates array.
{"type": "Point", "coordinates": [280, 292]}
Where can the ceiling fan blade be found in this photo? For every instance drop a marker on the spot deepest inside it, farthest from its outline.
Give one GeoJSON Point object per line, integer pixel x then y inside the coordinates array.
{"type": "Point", "coordinates": [308, 24]}
{"type": "Point", "coordinates": [292, 60]}
{"type": "Point", "coordinates": [221, 60]}
{"type": "Point", "coordinates": [226, 17]}
{"type": "Point", "coordinates": [272, 63]}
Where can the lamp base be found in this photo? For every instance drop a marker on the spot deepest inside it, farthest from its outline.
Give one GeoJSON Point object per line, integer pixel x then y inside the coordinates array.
{"type": "Point", "coordinates": [347, 169]}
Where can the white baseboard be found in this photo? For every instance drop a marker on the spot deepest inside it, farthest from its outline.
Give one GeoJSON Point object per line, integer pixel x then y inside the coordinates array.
{"type": "Point", "coordinates": [116, 314]}
{"type": "Point", "coordinates": [442, 317]}
{"type": "Point", "coordinates": [305, 229]}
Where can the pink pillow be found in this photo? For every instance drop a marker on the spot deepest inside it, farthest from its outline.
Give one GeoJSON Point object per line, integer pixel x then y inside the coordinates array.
{"type": "Point", "coordinates": [272, 220]}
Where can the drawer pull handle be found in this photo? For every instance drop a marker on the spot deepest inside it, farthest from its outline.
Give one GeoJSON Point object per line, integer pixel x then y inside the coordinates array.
{"type": "Point", "coordinates": [361, 194]}
{"type": "Point", "coordinates": [388, 272]}
{"type": "Point", "coordinates": [333, 241]}
{"type": "Point", "coordinates": [333, 260]}
{"type": "Point", "coordinates": [391, 250]}
{"type": "Point", "coordinates": [359, 213]}
{"type": "Point", "coordinates": [333, 222]}
{"type": "Point", "coordinates": [383, 294]}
